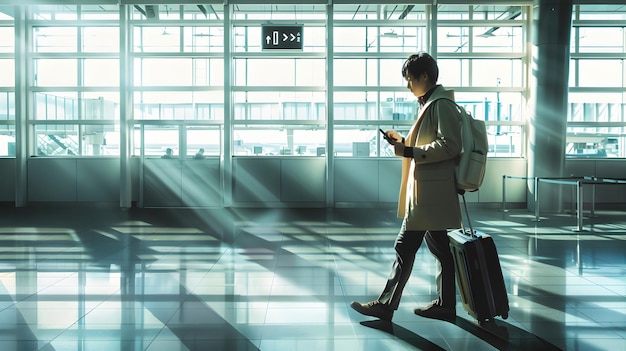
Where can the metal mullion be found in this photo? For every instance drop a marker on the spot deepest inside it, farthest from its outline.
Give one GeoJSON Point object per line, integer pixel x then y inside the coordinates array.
{"type": "Point", "coordinates": [598, 23]}
{"type": "Point", "coordinates": [178, 55]}
{"type": "Point", "coordinates": [599, 55]}
{"type": "Point", "coordinates": [481, 23]}
{"type": "Point", "coordinates": [75, 23]}
{"type": "Point", "coordinates": [290, 122]}
{"type": "Point", "coordinates": [178, 23]}
{"type": "Point", "coordinates": [381, 23]}
{"type": "Point", "coordinates": [370, 55]}
{"type": "Point", "coordinates": [278, 88]}
{"type": "Point", "coordinates": [481, 55]}
{"type": "Point", "coordinates": [177, 88]}
{"type": "Point", "coordinates": [287, 54]}
{"type": "Point", "coordinates": [260, 22]}
{"type": "Point", "coordinates": [80, 81]}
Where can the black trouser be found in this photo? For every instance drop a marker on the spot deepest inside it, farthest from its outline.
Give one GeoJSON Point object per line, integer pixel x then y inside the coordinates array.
{"type": "Point", "coordinates": [406, 246]}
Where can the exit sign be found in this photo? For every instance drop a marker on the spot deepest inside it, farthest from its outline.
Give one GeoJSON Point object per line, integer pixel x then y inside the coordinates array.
{"type": "Point", "coordinates": [282, 37]}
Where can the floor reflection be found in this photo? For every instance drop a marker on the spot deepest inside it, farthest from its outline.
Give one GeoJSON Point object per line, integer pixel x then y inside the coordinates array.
{"type": "Point", "coordinates": [99, 278]}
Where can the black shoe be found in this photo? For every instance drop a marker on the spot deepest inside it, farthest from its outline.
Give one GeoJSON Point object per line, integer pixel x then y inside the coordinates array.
{"type": "Point", "coordinates": [374, 309]}
{"type": "Point", "coordinates": [436, 311]}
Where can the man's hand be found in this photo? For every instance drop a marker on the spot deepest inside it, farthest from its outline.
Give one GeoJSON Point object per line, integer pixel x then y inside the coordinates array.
{"type": "Point", "coordinates": [398, 149]}
{"type": "Point", "coordinates": [393, 137]}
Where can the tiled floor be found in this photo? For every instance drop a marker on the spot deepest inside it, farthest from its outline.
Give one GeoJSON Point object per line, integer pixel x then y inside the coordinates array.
{"type": "Point", "coordinates": [98, 278]}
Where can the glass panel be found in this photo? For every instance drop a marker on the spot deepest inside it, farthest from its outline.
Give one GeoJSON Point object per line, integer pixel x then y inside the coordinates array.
{"type": "Point", "coordinates": [379, 12]}
{"type": "Point", "coordinates": [498, 39]}
{"type": "Point", "coordinates": [505, 141]}
{"type": "Point", "coordinates": [56, 106]}
{"type": "Point", "coordinates": [492, 105]}
{"type": "Point", "coordinates": [179, 72]}
{"type": "Point", "coordinates": [7, 77]}
{"type": "Point", "coordinates": [398, 106]}
{"type": "Point", "coordinates": [7, 140]}
{"type": "Point", "coordinates": [365, 72]}
{"type": "Point", "coordinates": [56, 72]}
{"type": "Point", "coordinates": [99, 12]}
{"type": "Point", "coordinates": [157, 39]}
{"type": "Point", "coordinates": [454, 73]}
{"type": "Point", "coordinates": [208, 72]}
{"type": "Point", "coordinates": [279, 105]}
{"type": "Point", "coordinates": [7, 39]}
{"type": "Point", "coordinates": [100, 140]}
{"type": "Point", "coordinates": [480, 12]}
{"type": "Point", "coordinates": [203, 12]}
{"type": "Point", "coordinates": [391, 73]}
{"type": "Point", "coordinates": [161, 141]}
{"type": "Point", "coordinates": [55, 12]}
{"type": "Point", "coordinates": [602, 12]}
{"type": "Point", "coordinates": [100, 105]}
{"type": "Point", "coordinates": [507, 73]}
{"type": "Point", "coordinates": [7, 106]}
{"type": "Point", "coordinates": [364, 106]}
{"type": "Point", "coordinates": [203, 39]}
{"type": "Point", "coordinates": [5, 12]}
{"type": "Point", "coordinates": [595, 142]}
{"type": "Point", "coordinates": [279, 140]}
{"type": "Point", "coordinates": [101, 39]}
{"type": "Point", "coordinates": [364, 140]}
{"type": "Point", "coordinates": [610, 39]}
{"type": "Point", "coordinates": [203, 141]}
{"type": "Point", "coordinates": [179, 105]}
{"type": "Point", "coordinates": [359, 141]}
{"type": "Point", "coordinates": [163, 71]}
{"type": "Point", "coordinates": [401, 39]}
{"type": "Point", "coordinates": [588, 73]}
{"type": "Point", "coordinates": [356, 72]}
{"type": "Point", "coordinates": [596, 112]}
{"type": "Point", "coordinates": [56, 140]}
{"type": "Point", "coordinates": [55, 39]}
{"type": "Point", "coordinates": [480, 39]}
{"type": "Point", "coordinates": [271, 12]}
{"type": "Point", "coordinates": [280, 72]}
{"type": "Point", "coordinates": [101, 72]}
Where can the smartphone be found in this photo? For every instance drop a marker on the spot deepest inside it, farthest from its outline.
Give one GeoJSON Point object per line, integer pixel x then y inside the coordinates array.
{"type": "Point", "coordinates": [386, 137]}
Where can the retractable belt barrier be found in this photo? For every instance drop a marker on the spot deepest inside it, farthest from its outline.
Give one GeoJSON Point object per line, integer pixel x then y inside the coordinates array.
{"type": "Point", "coordinates": [578, 182]}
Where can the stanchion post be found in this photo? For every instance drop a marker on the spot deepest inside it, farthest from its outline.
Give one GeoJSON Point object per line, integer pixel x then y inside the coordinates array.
{"type": "Point", "coordinates": [537, 199]}
{"type": "Point", "coordinates": [504, 193]}
{"type": "Point", "coordinates": [579, 206]}
{"type": "Point", "coordinates": [593, 199]}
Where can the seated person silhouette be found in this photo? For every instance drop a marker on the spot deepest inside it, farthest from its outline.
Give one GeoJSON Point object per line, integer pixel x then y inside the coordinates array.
{"type": "Point", "coordinates": [169, 153]}
{"type": "Point", "coordinates": [199, 155]}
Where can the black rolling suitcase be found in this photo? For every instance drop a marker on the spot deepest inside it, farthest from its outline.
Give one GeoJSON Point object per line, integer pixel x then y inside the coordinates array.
{"type": "Point", "coordinates": [478, 273]}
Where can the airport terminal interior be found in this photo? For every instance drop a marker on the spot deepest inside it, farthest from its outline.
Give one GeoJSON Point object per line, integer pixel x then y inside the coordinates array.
{"type": "Point", "coordinates": [211, 176]}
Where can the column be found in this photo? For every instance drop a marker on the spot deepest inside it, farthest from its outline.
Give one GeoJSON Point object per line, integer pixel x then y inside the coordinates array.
{"type": "Point", "coordinates": [548, 83]}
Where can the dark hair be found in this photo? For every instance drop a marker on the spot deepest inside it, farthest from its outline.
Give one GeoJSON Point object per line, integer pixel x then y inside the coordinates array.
{"type": "Point", "coordinates": [420, 63]}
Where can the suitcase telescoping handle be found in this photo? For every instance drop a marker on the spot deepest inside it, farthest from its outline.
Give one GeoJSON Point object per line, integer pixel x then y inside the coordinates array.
{"type": "Point", "coordinates": [467, 215]}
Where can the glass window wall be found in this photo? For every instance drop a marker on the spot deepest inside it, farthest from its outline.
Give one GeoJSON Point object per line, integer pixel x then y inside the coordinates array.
{"type": "Point", "coordinates": [178, 53]}
{"type": "Point", "coordinates": [75, 79]}
{"type": "Point", "coordinates": [178, 78]}
{"type": "Point", "coordinates": [279, 95]}
{"type": "Point", "coordinates": [597, 101]}
{"type": "Point", "coordinates": [7, 83]}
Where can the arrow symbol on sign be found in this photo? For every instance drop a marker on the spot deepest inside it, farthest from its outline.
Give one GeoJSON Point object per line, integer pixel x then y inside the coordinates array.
{"type": "Point", "coordinates": [293, 37]}
{"type": "Point", "coordinates": [285, 37]}
{"type": "Point", "coordinates": [268, 39]}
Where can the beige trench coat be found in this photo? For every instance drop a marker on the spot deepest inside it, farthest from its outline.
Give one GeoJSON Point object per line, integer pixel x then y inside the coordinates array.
{"type": "Point", "coordinates": [428, 199]}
